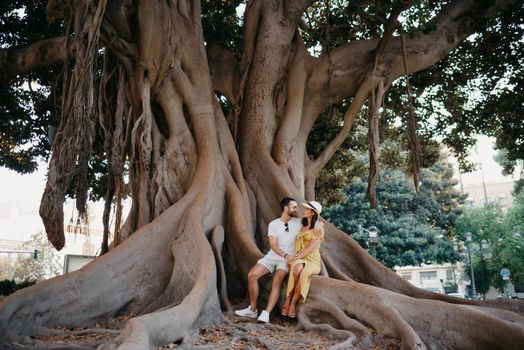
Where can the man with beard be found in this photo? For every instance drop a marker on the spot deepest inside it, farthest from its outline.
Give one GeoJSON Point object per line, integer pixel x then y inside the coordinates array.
{"type": "Point", "coordinates": [282, 233]}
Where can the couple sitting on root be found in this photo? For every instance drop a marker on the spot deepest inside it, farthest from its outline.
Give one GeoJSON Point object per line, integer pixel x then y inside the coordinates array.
{"type": "Point", "coordinates": [295, 247]}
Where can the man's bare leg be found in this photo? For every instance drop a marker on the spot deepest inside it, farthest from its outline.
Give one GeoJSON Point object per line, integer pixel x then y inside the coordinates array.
{"type": "Point", "coordinates": [252, 277]}
{"type": "Point", "coordinates": [280, 275]}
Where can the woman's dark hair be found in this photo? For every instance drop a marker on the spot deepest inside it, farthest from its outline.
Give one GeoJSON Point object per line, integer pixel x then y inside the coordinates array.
{"type": "Point", "coordinates": [285, 202]}
{"type": "Point", "coordinates": [313, 220]}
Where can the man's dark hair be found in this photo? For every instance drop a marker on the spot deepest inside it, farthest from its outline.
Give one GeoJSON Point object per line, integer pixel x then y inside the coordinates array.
{"type": "Point", "coordinates": [285, 202]}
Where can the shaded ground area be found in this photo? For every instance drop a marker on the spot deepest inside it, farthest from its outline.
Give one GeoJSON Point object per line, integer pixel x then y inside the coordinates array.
{"type": "Point", "coordinates": [233, 333]}
{"type": "Point", "coordinates": [237, 333]}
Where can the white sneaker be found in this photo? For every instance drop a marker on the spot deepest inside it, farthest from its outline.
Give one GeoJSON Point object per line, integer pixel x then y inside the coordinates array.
{"type": "Point", "coordinates": [264, 317]}
{"type": "Point", "coordinates": [247, 312]}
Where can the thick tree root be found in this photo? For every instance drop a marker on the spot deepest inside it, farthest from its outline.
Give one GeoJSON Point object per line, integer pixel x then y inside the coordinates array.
{"type": "Point", "coordinates": [409, 322]}
{"type": "Point", "coordinates": [359, 266]}
{"type": "Point", "coordinates": [60, 333]}
{"type": "Point", "coordinates": [192, 292]}
{"type": "Point", "coordinates": [68, 346]}
{"type": "Point", "coordinates": [328, 329]}
{"type": "Point", "coordinates": [217, 241]}
{"type": "Point", "coordinates": [114, 284]}
{"type": "Point", "coordinates": [238, 334]}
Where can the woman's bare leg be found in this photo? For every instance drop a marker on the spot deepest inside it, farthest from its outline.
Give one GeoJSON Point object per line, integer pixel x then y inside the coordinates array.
{"type": "Point", "coordinates": [296, 291]}
{"type": "Point", "coordinates": [285, 307]}
{"type": "Point", "coordinates": [295, 275]}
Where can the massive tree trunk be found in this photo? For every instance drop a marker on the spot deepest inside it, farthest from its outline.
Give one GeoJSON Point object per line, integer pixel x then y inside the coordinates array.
{"type": "Point", "coordinates": [204, 189]}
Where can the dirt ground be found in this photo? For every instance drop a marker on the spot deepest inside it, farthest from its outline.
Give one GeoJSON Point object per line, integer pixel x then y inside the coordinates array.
{"type": "Point", "coordinates": [234, 333]}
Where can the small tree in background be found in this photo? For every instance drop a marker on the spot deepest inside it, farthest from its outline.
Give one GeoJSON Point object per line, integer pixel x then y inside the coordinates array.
{"type": "Point", "coordinates": [6, 267]}
{"type": "Point", "coordinates": [46, 264]}
{"type": "Point", "coordinates": [504, 234]}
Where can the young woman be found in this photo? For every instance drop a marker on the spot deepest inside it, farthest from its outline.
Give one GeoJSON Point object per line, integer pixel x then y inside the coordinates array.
{"type": "Point", "coordinates": [307, 261]}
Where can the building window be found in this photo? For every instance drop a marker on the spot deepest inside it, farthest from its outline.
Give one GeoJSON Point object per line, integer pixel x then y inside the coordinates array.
{"type": "Point", "coordinates": [406, 275]}
{"type": "Point", "coordinates": [449, 274]}
{"type": "Point", "coordinates": [428, 275]}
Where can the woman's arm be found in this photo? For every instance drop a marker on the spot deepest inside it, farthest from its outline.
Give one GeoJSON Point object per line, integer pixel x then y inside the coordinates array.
{"type": "Point", "coordinates": [313, 244]}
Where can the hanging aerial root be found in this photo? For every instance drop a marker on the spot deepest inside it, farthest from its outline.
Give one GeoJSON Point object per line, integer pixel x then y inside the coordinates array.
{"type": "Point", "coordinates": [409, 322]}
{"type": "Point", "coordinates": [72, 145]}
{"type": "Point", "coordinates": [374, 152]}
{"type": "Point", "coordinates": [141, 150]}
{"type": "Point", "coordinates": [112, 125]}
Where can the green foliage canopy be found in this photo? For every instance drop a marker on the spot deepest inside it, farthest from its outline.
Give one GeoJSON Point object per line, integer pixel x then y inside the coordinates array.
{"type": "Point", "coordinates": [29, 102]}
{"type": "Point", "coordinates": [413, 228]}
{"type": "Point", "coordinates": [477, 89]}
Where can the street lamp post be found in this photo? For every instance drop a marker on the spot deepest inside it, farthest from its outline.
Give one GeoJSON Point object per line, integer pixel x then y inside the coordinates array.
{"type": "Point", "coordinates": [484, 255]}
{"type": "Point", "coordinates": [505, 273]}
{"type": "Point", "coordinates": [453, 267]}
{"type": "Point", "coordinates": [372, 238]}
{"type": "Point", "coordinates": [468, 241]}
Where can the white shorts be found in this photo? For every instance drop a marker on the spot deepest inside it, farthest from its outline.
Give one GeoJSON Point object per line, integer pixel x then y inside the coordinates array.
{"type": "Point", "coordinates": [273, 264]}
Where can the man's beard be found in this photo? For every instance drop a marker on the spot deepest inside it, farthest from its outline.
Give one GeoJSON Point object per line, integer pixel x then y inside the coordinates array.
{"type": "Point", "coordinates": [294, 214]}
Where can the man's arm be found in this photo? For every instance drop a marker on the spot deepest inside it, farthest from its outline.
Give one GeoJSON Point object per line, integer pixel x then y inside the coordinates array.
{"type": "Point", "coordinates": [274, 246]}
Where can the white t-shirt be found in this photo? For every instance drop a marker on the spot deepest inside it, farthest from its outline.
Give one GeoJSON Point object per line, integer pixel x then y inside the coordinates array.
{"type": "Point", "coordinates": [285, 240]}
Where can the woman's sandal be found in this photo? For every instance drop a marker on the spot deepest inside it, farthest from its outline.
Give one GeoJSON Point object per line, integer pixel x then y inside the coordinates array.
{"type": "Point", "coordinates": [292, 314]}
{"type": "Point", "coordinates": [283, 312]}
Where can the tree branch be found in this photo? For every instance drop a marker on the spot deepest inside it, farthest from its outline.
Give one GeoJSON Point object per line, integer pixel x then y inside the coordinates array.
{"type": "Point", "coordinates": [376, 100]}
{"type": "Point", "coordinates": [335, 76]}
{"type": "Point", "coordinates": [297, 7]}
{"type": "Point", "coordinates": [363, 90]}
{"type": "Point", "coordinates": [389, 28]}
{"type": "Point", "coordinates": [17, 60]}
{"type": "Point", "coordinates": [290, 123]}
{"type": "Point", "coordinates": [349, 118]}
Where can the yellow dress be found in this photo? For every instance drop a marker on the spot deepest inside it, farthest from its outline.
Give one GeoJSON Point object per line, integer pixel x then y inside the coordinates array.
{"type": "Point", "coordinates": [311, 262]}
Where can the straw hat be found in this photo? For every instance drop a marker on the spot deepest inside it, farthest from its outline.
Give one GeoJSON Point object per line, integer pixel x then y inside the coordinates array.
{"type": "Point", "coordinates": [314, 205]}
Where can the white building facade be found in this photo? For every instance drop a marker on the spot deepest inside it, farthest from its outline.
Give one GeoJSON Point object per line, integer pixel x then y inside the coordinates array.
{"type": "Point", "coordinates": [19, 221]}
{"type": "Point", "coordinates": [437, 278]}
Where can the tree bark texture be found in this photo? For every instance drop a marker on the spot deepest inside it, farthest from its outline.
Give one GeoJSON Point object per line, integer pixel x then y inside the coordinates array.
{"type": "Point", "coordinates": [204, 190]}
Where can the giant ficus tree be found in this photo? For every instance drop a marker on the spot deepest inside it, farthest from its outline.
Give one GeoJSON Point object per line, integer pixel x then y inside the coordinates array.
{"type": "Point", "coordinates": [205, 174]}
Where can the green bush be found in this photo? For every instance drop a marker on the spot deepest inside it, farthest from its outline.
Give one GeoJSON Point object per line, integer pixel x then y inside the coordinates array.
{"type": "Point", "coordinates": [10, 286]}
